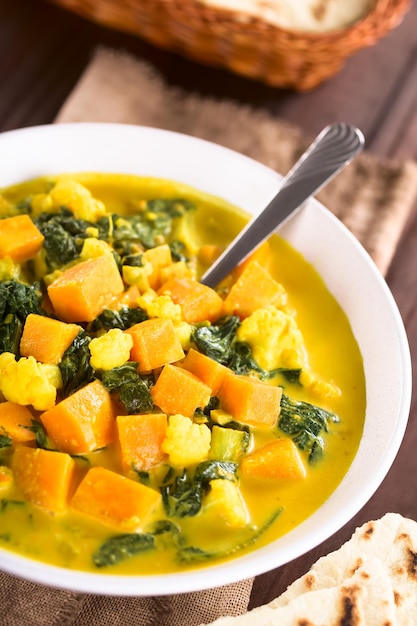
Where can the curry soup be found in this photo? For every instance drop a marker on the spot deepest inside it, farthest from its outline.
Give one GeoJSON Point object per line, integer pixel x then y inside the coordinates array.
{"type": "Point", "coordinates": [142, 413]}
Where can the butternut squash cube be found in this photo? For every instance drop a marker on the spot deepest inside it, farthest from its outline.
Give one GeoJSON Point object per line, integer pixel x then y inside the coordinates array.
{"type": "Point", "coordinates": [140, 439]}
{"type": "Point", "coordinates": [15, 421]}
{"type": "Point", "coordinates": [82, 422]}
{"type": "Point", "coordinates": [198, 302]}
{"type": "Point", "coordinates": [255, 288]}
{"type": "Point", "coordinates": [128, 298]}
{"type": "Point", "coordinates": [278, 459]}
{"type": "Point", "coordinates": [84, 290]}
{"type": "Point", "coordinates": [44, 477]}
{"type": "Point", "coordinates": [159, 257]}
{"type": "Point", "coordinates": [114, 499]}
{"type": "Point", "coordinates": [46, 339]}
{"type": "Point", "coordinates": [20, 240]}
{"type": "Point", "coordinates": [179, 391]}
{"type": "Point", "coordinates": [206, 369]}
{"type": "Point", "coordinates": [250, 401]}
{"type": "Point", "coordinates": [155, 343]}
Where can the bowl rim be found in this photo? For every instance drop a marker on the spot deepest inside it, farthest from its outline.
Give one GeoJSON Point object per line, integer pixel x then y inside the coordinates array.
{"type": "Point", "coordinates": [293, 544]}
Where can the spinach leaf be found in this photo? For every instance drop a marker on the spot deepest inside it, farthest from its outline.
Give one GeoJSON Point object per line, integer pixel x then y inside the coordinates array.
{"type": "Point", "coordinates": [211, 470]}
{"type": "Point", "coordinates": [41, 437]}
{"type": "Point", "coordinates": [305, 422]}
{"type": "Point", "coordinates": [167, 534]}
{"type": "Point", "coordinates": [10, 333]}
{"type": "Point", "coordinates": [5, 441]}
{"type": "Point", "coordinates": [75, 367]}
{"type": "Point", "coordinates": [291, 375]}
{"type": "Point", "coordinates": [184, 495]}
{"type": "Point", "coordinates": [165, 526]}
{"type": "Point", "coordinates": [143, 476]}
{"type": "Point", "coordinates": [5, 503]}
{"type": "Point", "coordinates": [202, 414]}
{"type": "Point", "coordinates": [133, 260]}
{"type": "Point", "coordinates": [219, 342]}
{"type": "Point", "coordinates": [17, 301]}
{"type": "Point", "coordinates": [150, 227]}
{"type": "Point", "coordinates": [132, 390]}
{"type": "Point", "coordinates": [241, 360]}
{"type": "Point", "coordinates": [63, 237]}
{"type": "Point", "coordinates": [178, 251]}
{"type": "Point", "coordinates": [123, 319]}
{"type": "Point", "coordinates": [216, 341]}
{"type": "Point", "coordinates": [121, 547]}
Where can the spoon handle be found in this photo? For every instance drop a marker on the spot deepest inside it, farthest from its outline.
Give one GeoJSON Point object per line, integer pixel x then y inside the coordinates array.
{"type": "Point", "coordinates": [331, 151]}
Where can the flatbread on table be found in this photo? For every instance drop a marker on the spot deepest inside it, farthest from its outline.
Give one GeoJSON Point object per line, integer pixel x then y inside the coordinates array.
{"type": "Point", "coordinates": [371, 581]}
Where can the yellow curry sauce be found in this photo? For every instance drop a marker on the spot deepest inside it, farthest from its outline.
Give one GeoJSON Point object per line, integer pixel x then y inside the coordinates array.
{"type": "Point", "coordinates": [331, 378]}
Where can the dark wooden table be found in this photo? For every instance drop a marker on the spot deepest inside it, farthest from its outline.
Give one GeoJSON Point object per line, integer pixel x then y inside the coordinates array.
{"type": "Point", "coordinates": [44, 49]}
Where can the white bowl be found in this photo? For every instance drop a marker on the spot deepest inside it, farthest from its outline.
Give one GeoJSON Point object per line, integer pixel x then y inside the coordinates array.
{"type": "Point", "coordinates": [347, 270]}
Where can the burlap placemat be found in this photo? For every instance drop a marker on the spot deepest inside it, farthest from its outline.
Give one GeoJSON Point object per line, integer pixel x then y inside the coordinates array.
{"type": "Point", "coordinates": [372, 197]}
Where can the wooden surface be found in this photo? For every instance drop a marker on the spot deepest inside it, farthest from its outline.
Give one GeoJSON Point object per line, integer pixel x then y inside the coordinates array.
{"type": "Point", "coordinates": [44, 49]}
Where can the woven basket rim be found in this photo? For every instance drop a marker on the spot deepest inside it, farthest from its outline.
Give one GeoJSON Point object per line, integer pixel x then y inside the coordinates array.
{"type": "Point", "coordinates": [250, 47]}
{"type": "Point", "coordinates": [228, 17]}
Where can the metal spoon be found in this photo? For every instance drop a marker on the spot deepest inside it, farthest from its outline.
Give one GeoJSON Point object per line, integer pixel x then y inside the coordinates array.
{"type": "Point", "coordinates": [331, 151]}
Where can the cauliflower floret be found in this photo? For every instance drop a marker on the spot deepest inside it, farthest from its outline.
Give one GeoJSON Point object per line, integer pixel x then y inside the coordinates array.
{"type": "Point", "coordinates": [275, 339]}
{"type": "Point", "coordinates": [74, 196]}
{"type": "Point", "coordinates": [180, 269]}
{"type": "Point", "coordinates": [183, 331]}
{"type": "Point", "coordinates": [186, 443]}
{"type": "Point", "coordinates": [185, 231]}
{"type": "Point", "coordinates": [138, 275]}
{"type": "Point", "coordinates": [163, 306]}
{"type": "Point", "coordinates": [93, 248]}
{"type": "Point", "coordinates": [28, 382]}
{"type": "Point", "coordinates": [225, 499]}
{"type": "Point", "coordinates": [160, 306]}
{"type": "Point", "coordinates": [10, 270]}
{"type": "Point", "coordinates": [78, 199]}
{"type": "Point", "coordinates": [110, 350]}
{"type": "Point", "coordinates": [42, 203]}
{"type": "Point", "coordinates": [321, 389]}
{"type": "Point", "coordinates": [92, 232]}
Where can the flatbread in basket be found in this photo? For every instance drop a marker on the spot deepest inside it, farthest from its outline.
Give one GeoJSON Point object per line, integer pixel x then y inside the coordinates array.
{"type": "Point", "coordinates": [371, 581]}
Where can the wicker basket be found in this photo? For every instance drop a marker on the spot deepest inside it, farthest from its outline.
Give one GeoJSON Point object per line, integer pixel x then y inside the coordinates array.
{"type": "Point", "coordinates": [251, 47]}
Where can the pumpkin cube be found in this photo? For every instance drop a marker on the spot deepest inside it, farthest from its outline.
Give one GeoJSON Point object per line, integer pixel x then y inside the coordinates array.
{"type": "Point", "coordinates": [250, 401]}
{"type": "Point", "coordinates": [179, 391]}
{"type": "Point", "coordinates": [20, 240]}
{"type": "Point", "coordinates": [84, 290]}
{"type": "Point", "coordinates": [278, 459]}
{"type": "Point", "coordinates": [46, 339]}
{"type": "Point", "coordinates": [82, 422]}
{"type": "Point", "coordinates": [140, 439]}
{"type": "Point", "coordinates": [44, 477]}
{"type": "Point", "coordinates": [114, 499]}
{"type": "Point", "coordinates": [155, 343]}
